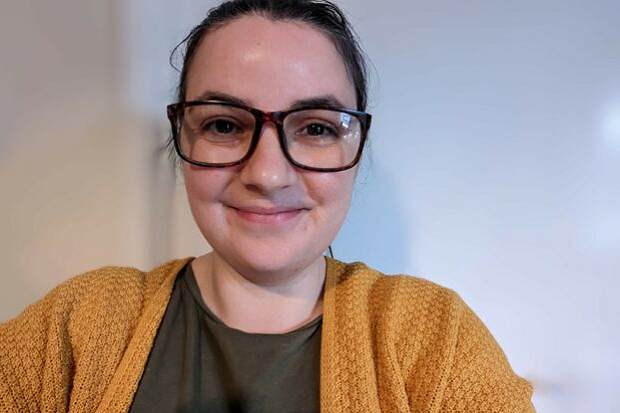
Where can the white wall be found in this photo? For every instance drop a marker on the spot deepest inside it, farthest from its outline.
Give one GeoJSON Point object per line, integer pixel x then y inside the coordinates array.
{"type": "Point", "coordinates": [495, 168]}
{"type": "Point", "coordinates": [497, 173]}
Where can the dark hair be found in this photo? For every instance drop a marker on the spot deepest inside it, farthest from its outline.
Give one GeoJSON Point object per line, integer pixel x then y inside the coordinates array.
{"type": "Point", "coordinates": [320, 14]}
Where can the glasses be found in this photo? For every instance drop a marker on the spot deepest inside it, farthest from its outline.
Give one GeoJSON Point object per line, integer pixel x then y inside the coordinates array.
{"type": "Point", "coordinates": [220, 134]}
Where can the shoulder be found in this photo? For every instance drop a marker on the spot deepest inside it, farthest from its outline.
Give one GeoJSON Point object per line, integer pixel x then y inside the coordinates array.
{"type": "Point", "coordinates": [102, 304]}
{"type": "Point", "coordinates": [394, 294]}
{"type": "Point", "coordinates": [116, 284]}
{"type": "Point", "coordinates": [106, 290]}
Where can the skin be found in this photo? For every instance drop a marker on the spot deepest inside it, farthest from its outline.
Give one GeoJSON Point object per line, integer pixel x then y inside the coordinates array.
{"type": "Point", "coordinates": [267, 221]}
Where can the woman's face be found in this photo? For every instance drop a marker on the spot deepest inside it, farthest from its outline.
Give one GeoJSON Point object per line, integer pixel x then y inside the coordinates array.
{"type": "Point", "coordinates": [267, 218]}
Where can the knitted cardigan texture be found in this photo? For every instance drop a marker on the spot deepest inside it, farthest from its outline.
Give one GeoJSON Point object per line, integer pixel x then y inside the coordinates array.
{"type": "Point", "coordinates": [389, 344]}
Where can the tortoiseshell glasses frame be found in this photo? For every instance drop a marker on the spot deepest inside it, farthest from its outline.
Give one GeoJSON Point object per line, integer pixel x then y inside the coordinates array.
{"type": "Point", "coordinates": [177, 111]}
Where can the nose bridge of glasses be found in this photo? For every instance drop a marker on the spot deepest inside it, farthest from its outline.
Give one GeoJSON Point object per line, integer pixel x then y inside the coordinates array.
{"type": "Point", "coordinates": [276, 118]}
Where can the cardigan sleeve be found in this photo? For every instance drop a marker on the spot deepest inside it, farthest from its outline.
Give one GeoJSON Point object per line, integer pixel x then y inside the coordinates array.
{"type": "Point", "coordinates": [480, 377]}
{"type": "Point", "coordinates": [32, 348]}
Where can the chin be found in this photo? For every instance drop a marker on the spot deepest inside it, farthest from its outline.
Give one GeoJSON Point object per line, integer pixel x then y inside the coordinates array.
{"type": "Point", "coordinates": [270, 263]}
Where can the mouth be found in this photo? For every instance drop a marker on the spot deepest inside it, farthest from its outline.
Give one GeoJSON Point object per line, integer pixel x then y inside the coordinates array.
{"type": "Point", "coordinates": [269, 216]}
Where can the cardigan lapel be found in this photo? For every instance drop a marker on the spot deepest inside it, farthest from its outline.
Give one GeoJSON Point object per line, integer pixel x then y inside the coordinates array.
{"type": "Point", "coordinates": [348, 377]}
{"type": "Point", "coordinates": [120, 393]}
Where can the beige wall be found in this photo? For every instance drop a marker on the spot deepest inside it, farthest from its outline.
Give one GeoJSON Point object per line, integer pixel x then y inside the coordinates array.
{"type": "Point", "coordinates": [82, 181]}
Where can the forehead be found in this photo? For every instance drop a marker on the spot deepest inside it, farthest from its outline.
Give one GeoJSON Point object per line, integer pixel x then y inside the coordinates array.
{"type": "Point", "coordinates": [269, 64]}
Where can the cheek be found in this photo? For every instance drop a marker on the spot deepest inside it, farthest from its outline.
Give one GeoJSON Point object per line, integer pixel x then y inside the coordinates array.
{"type": "Point", "coordinates": [333, 192]}
{"type": "Point", "coordinates": [203, 185]}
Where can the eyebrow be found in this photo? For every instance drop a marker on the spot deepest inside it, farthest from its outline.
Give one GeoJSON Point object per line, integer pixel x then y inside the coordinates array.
{"type": "Point", "coordinates": [323, 100]}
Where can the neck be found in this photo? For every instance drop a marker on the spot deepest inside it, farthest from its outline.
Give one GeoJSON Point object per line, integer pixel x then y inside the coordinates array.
{"type": "Point", "coordinates": [269, 307]}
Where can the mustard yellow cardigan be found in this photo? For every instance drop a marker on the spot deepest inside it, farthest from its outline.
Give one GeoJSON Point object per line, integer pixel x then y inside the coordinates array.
{"type": "Point", "coordinates": [389, 344]}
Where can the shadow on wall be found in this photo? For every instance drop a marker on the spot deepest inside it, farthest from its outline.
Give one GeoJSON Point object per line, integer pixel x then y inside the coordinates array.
{"type": "Point", "coordinates": [376, 230]}
{"type": "Point", "coordinates": [171, 227]}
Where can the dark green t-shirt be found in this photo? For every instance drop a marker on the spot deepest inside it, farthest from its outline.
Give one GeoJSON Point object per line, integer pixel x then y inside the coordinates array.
{"type": "Point", "coordinates": [198, 364]}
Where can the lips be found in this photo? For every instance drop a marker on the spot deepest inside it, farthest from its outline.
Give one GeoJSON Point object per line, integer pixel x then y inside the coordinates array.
{"type": "Point", "coordinates": [268, 215]}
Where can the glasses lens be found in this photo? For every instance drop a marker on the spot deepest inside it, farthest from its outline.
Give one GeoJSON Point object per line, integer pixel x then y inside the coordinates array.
{"type": "Point", "coordinates": [215, 134]}
{"type": "Point", "coordinates": [322, 138]}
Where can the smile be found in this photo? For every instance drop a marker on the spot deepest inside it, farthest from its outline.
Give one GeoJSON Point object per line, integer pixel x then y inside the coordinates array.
{"type": "Point", "coordinates": [268, 216]}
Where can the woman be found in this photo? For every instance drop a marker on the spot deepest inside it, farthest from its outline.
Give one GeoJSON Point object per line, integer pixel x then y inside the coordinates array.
{"type": "Point", "coordinates": [270, 126]}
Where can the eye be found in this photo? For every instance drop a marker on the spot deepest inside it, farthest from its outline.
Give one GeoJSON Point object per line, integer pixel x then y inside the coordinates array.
{"type": "Point", "coordinates": [315, 129]}
{"type": "Point", "coordinates": [220, 126]}
{"type": "Point", "coordinates": [318, 129]}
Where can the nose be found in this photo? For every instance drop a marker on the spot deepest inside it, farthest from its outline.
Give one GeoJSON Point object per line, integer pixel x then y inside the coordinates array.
{"type": "Point", "coordinates": [268, 170]}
